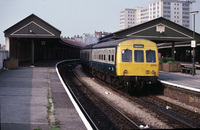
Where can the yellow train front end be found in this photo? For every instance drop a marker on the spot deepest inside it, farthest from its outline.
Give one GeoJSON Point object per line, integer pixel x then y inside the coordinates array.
{"type": "Point", "coordinates": [137, 58]}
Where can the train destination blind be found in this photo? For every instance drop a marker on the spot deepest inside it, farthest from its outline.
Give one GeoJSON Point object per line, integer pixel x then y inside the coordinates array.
{"type": "Point", "coordinates": [138, 46]}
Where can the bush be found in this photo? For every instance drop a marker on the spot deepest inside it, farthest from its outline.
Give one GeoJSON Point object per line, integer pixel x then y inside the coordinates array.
{"type": "Point", "coordinates": [168, 60]}
{"type": "Point", "coordinates": [163, 60]}
{"type": "Point", "coordinates": [11, 59]}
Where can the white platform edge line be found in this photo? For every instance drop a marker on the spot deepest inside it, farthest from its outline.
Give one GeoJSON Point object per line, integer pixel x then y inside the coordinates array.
{"type": "Point", "coordinates": [83, 118]}
{"type": "Point", "coordinates": [180, 86]}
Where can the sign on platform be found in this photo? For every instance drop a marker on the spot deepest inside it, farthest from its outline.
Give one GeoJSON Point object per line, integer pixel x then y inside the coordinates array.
{"type": "Point", "coordinates": [193, 43]}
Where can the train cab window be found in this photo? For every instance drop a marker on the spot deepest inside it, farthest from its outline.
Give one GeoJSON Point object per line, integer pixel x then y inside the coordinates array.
{"type": "Point", "coordinates": [126, 55]}
{"type": "Point", "coordinates": [139, 55]}
{"type": "Point", "coordinates": [151, 56]}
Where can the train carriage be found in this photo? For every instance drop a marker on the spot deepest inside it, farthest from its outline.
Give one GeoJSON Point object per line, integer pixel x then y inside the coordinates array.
{"type": "Point", "coordinates": [127, 63]}
{"type": "Point", "coordinates": [85, 55]}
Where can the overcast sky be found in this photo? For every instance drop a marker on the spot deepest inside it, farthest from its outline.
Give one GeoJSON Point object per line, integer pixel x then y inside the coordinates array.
{"type": "Point", "coordinates": [72, 17]}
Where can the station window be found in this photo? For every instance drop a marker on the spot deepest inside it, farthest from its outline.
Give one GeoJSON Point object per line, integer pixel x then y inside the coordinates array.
{"type": "Point", "coordinates": [126, 56]}
{"type": "Point", "coordinates": [139, 56]}
{"type": "Point", "coordinates": [151, 56]}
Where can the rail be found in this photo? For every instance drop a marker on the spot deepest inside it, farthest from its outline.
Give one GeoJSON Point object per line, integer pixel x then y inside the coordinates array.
{"type": "Point", "coordinates": [104, 101]}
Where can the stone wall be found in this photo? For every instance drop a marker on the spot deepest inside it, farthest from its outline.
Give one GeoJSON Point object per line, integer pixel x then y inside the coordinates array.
{"type": "Point", "coordinates": [3, 55]}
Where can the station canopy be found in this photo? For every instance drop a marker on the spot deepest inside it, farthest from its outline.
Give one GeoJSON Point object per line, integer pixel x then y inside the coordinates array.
{"type": "Point", "coordinates": [33, 39]}
{"type": "Point", "coordinates": [32, 27]}
{"type": "Point", "coordinates": [159, 30]}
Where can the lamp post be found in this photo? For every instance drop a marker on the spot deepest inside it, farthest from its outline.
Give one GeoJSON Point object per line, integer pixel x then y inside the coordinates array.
{"type": "Point", "coordinates": [193, 43]}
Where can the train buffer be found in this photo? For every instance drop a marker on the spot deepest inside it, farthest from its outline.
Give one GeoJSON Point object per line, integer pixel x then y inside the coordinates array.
{"type": "Point", "coordinates": [187, 69]}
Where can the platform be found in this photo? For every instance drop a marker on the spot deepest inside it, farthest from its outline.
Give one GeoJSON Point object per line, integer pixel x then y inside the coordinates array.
{"type": "Point", "coordinates": [182, 80]}
{"type": "Point", "coordinates": [23, 100]}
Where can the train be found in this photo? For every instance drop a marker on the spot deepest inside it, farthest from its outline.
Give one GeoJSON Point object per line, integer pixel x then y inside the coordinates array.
{"type": "Point", "coordinates": [128, 64]}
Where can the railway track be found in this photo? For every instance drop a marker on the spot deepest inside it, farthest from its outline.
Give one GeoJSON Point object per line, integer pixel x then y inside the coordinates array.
{"type": "Point", "coordinates": [100, 113]}
{"type": "Point", "coordinates": [174, 115]}
{"type": "Point", "coordinates": [103, 115]}
{"type": "Point", "coordinates": [164, 113]}
{"type": "Point", "coordinates": [191, 118]}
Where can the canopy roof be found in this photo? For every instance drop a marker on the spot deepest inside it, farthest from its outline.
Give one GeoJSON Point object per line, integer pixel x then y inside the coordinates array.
{"type": "Point", "coordinates": [158, 30]}
{"type": "Point", "coordinates": [32, 27]}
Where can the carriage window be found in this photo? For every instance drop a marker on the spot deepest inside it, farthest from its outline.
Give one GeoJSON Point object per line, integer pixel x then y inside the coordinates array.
{"type": "Point", "coordinates": [126, 56]}
{"type": "Point", "coordinates": [139, 56]}
{"type": "Point", "coordinates": [151, 56]}
{"type": "Point", "coordinates": [112, 57]}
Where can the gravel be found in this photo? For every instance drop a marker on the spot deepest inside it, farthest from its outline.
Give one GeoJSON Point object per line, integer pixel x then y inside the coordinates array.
{"type": "Point", "coordinates": [179, 103]}
{"type": "Point", "coordinates": [122, 103]}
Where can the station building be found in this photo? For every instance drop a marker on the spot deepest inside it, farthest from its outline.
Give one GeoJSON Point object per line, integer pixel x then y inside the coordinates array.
{"type": "Point", "coordinates": [172, 39]}
{"type": "Point", "coordinates": [32, 40]}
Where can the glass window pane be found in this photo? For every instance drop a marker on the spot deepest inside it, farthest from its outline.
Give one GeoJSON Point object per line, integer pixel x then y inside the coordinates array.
{"type": "Point", "coordinates": [112, 57]}
{"type": "Point", "coordinates": [139, 56]}
{"type": "Point", "coordinates": [126, 56]}
{"type": "Point", "coordinates": [151, 56]}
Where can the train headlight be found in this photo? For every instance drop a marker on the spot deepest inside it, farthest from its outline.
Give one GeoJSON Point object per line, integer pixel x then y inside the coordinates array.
{"type": "Point", "coordinates": [153, 72]}
{"type": "Point", "coordinates": [125, 71]}
{"type": "Point", "coordinates": [147, 71]}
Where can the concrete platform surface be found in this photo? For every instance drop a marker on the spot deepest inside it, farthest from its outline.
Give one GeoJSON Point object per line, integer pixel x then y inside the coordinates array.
{"type": "Point", "coordinates": [23, 100]}
{"type": "Point", "coordinates": [183, 80]}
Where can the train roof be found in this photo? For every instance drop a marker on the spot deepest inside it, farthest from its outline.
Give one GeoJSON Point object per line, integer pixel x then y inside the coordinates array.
{"type": "Point", "coordinates": [88, 46]}
{"type": "Point", "coordinates": [113, 43]}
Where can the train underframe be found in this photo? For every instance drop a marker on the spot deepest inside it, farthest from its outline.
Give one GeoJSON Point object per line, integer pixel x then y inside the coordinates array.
{"type": "Point", "coordinates": [127, 84]}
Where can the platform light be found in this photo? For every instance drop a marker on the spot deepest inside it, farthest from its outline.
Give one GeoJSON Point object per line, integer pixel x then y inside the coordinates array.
{"type": "Point", "coordinates": [194, 12]}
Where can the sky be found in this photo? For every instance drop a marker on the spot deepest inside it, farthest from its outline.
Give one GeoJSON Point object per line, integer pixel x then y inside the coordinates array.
{"type": "Point", "coordinates": [73, 17]}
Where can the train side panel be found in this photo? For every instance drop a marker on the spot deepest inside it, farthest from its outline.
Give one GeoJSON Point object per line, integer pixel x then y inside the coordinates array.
{"type": "Point", "coordinates": [103, 59]}
{"type": "Point", "coordinates": [85, 56]}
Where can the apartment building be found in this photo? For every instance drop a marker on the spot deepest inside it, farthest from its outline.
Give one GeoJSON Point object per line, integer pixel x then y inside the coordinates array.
{"type": "Point", "coordinates": [174, 10]}
{"type": "Point", "coordinates": [127, 18]}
